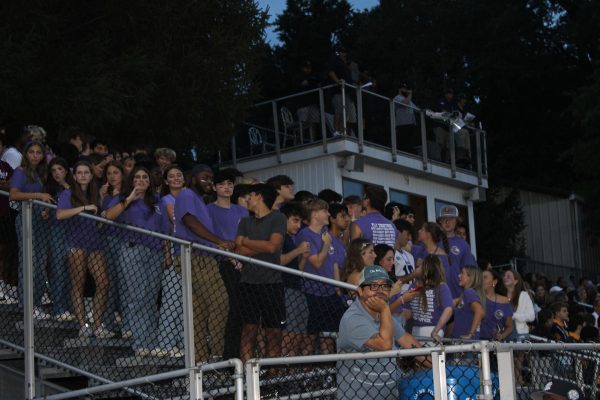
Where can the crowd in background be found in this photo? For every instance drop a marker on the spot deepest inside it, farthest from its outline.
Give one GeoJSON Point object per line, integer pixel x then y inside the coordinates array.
{"type": "Point", "coordinates": [433, 285]}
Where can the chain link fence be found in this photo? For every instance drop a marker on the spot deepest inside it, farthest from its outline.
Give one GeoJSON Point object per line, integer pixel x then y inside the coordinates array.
{"type": "Point", "coordinates": [111, 303]}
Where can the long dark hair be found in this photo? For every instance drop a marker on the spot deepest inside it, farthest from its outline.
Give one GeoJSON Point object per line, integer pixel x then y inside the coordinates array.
{"type": "Point", "coordinates": [90, 196]}
{"type": "Point", "coordinates": [433, 276]}
{"type": "Point", "coordinates": [438, 235]}
{"type": "Point", "coordinates": [37, 173]}
{"type": "Point", "coordinates": [119, 166]}
{"type": "Point", "coordinates": [354, 261]}
{"type": "Point", "coordinates": [52, 186]}
{"type": "Point", "coordinates": [150, 198]}
{"type": "Point", "coordinates": [164, 190]}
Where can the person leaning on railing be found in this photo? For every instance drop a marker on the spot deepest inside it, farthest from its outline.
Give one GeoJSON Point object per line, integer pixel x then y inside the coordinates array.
{"type": "Point", "coordinates": [141, 258]}
{"type": "Point", "coordinates": [85, 249]}
{"type": "Point", "coordinates": [27, 183]}
{"type": "Point", "coordinates": [368, 325]}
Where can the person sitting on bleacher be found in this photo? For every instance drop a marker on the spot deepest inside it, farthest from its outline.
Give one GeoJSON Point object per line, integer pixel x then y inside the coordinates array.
{"type": "Point", "coordinates": [560, 315]}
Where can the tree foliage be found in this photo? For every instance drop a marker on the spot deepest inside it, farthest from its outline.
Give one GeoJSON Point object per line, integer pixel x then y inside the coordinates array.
{"type": "Point", "coordinates": [177, 72]}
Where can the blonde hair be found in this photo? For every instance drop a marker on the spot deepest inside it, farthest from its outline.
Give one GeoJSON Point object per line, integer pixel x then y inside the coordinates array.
{"type": "Point", "coordinates": [475, 283]}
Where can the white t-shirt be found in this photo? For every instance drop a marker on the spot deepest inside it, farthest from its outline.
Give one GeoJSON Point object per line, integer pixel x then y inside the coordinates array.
{"type": "Point", "coordinates": [404, 264]}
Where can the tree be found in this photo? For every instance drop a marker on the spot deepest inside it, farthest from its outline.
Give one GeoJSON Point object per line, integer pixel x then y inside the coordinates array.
{"type": "Point", "coordinates": [176, 73]}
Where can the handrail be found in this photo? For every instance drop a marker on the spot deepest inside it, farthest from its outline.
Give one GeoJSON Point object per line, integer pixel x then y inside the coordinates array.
{"type": "Point", "coordinates": [262, 103]}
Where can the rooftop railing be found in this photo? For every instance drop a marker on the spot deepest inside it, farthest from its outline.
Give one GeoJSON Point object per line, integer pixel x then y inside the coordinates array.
{"type": "Point", "coordinates": [351, 112]}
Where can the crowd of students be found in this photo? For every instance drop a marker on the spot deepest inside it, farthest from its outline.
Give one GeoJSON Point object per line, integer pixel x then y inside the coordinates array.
{"type": "Point", "coordinates": [436, 288]}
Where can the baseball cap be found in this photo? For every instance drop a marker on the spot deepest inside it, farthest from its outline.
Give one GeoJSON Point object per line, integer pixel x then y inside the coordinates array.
{"type": "Point", "coordinates": [448, 211]}
{"type": "Point", "coordinates": [561, 388]}
{"type": "Point", "coordinates": [374, 273]}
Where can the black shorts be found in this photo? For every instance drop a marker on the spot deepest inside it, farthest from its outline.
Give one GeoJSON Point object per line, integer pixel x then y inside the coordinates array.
{"type": "Point", "coordinates": [324, 313]}
{"type": "Point", "coordinates": [263, 304]}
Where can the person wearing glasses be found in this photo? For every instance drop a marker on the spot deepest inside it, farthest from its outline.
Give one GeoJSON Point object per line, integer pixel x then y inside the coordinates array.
{"type": "Point", "coordinates": [368, 325]}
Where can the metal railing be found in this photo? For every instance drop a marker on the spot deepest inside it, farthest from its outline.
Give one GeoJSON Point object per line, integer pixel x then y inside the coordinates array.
{"type": "Point", "coordinates": [355, 113]}
{"type": "Point", "coordinates": [198, 378]}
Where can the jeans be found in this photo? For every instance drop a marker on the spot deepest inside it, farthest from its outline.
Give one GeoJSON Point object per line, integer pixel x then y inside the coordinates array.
{"type": "Point", "coordinates": [170, 325]}
{"type": "Point", "coordinates": [142, 269]}
{"type": "Point", "coordinates": [60, 278]}
{"type": "Point", "coordinates": [113, 246]}
{"type": "Point", "coordinates": [39, 256]}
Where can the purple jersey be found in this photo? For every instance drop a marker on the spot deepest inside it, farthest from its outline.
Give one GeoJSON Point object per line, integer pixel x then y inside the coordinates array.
{"type": "Point", "coordinates": [19, 181]}
{"type": "Point", "coordinates": [82, 233]}
{"type": "Point", "coordinates": [310, 286]}
{"type": "Point", "coordinates": [463, 314]}
{"type": "Point", "coordinates": [141, 215]}
{"type": "Point", "coordinates": [189, 202]}
{"type": "Point", "coordinates": [495, 317]}
{"type": "Point", "coordinates": [438, 299]}
{"type": "Point", "coordinates": [377, 228]}
{"type": "Point", "coordinates": [226, 220]}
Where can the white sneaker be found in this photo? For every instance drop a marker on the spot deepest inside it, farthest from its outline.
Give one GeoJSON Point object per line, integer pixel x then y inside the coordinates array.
{"type": "Point", "coordinates": [103, 333]}
{"type": "Point", "coordinates": [127, 335]}
{"type": "Point", "coordinates": [66, 316]}
{"type": "Point", "coordinates": [46, 299]}
{"type": "Point", "coordinates": [39, 314]}
{"type": "Point", "coordinates": [85, 331]}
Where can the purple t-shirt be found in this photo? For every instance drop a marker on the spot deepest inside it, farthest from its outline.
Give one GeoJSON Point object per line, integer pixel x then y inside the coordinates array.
{"type": "Point", "coordinates": [495, 316]}
{"type": "Point", "coordinates": [377, 228]}
{"type": "Point", "coordinates": [82, 233]}
{"type": "Point", "coordinates": [310, 286]}
{"type": "Point", "coordinates": [339, 254]}
{"type": "Point", "coordinates": [460, 255]}
{"type": "Point", "coordinates": [463, 314]}
{"type": "Point", "coordinates": [139, 214]}
{"type": "Point", "coordinates": [450, 271]}
{"type": "Point", "coordinates": [107, 203]}
{"type": "Point", "coordinates": [226, 220]}
{"type": "Point", "coordinates": [189, 202]}
{"type": "Point", "coordinates": [19, 181]}
{"type": "Point", "coordinates": [167, 200]}
{"type": "Point", "coordinates": [436, 303]}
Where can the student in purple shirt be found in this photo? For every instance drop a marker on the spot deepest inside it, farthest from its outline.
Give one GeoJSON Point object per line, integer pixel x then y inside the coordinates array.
{"type": "Point", "coordinates": [225, 219]}
{"type": "Point", "coordinates": [324, 305]}
{"type": "Point", "coordinates": [469, 307]}
{"type": "Point", "coordinates": [141, 257]}
{"type": "Point", "coordinates": [432, 308]}
{"type": "Point", "coordinates": [459, 250]}
{"type": "Point", "coordinates": [85, 249]}
{"type": "Point", "coordinates": [497, 323]}
{"type": "Point", "coordinates": [373, 225]}
{"type": "Point", "coordinates": [59, 179]}
{"type": "Point", "coordinates": [111, 193]}
{"type": "Point", "coordinates": [193, 223]}
{"type": "Point", "coordinates": [27, 183]}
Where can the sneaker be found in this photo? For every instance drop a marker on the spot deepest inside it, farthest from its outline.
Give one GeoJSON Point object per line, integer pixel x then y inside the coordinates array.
{"type": "Point", "coordinates": [39, 314]}
{"type": "Point", "coordinates": [144, 352]}
{"type": "Point", "coordinates": [103, 333]}
{"type": "Point", "coordinates": [127, 335]}
{"type": "Point", "coordinates": [66, 316]}
{"type": "Point", "coordinates": [85, 331]}
{"type": "Point", "coordinates": [46, 299]}
{"type": "Point", "coordinates": [338, 133]}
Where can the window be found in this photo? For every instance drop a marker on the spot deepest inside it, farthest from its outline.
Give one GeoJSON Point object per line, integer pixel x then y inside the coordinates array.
{"type": "Point", "coordinates": [417, 203]}
{"type": "Point", "coordinates": [353, 188]}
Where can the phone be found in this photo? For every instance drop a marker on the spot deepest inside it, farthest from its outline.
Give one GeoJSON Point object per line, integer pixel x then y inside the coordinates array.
{"type": "Point", "coordinates": [417, 288]}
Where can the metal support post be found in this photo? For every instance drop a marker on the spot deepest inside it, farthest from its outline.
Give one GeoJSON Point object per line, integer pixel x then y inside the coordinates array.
{"type": "Point", "coordinates": [479, 161]}
{"type": "Point", "coordinates": [188, 317]}
{"type": "Point", "coordinates": [238, 377]}
{"type": "Point", "coordinates": [252, 380]}
{"type": "Point", "coordinates": [438, 359]}
{"type": "Point", "coordinates": [393, 130]}
{"type": "Point", "coordinates": [424, 141]}
{"type": "Point", "coordinates": [506, 374]}
{"type": "Point", "coordinates": [196, 382]}
{"type": "Point", "coordinates": [360, 121]}
{"type": "Point", "coordinates": [26, 215]}
{"type": "Point", "coordinates": [486, 372]}
{"type": "Point", "coordinates": [452, 146]}
{"type": "Point", "coordinates": [344, 108]}
{"type": "Point", "coordinates": [322, 115]}
{"type": "Point", "coordinates": [276, 128]}
{"type": "Point", "coordinates": [234, 152]}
